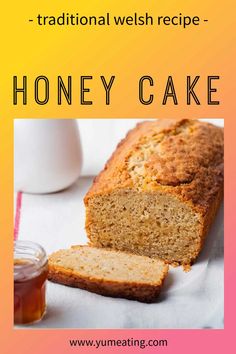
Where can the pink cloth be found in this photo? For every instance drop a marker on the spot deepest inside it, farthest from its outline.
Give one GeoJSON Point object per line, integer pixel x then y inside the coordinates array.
{"type": "Point", "coordinates": [17, 215]}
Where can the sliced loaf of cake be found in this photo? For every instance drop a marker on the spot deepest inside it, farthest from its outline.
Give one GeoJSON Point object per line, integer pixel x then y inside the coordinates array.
{"type": "Point", "coordinates": [160, 190]}
{"type": "Point", "coordinates": [108, 272]}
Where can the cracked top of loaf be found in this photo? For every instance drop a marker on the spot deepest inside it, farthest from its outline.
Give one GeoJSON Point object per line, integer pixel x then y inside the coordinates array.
{"type": "Point", "coordinates": [180, 157]}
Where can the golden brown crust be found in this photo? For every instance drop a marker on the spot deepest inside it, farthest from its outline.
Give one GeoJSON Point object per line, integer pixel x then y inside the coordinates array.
{"type": "Point", "coordinates": [115, 174]}
{"type": "Point", "coordinates": [187, 163]}
{"type": "Point", "coordinates": [140, 292]}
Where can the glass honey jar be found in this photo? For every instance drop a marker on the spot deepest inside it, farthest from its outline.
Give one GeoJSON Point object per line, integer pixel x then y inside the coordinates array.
{"type": "Point", "coordinates": [30, 274]}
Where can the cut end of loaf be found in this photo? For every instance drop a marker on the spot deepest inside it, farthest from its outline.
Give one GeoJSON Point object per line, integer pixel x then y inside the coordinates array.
{"type": "Point", "coordinates": [109, 273]}
{"type": "Point", "coordinates": [150, 224]}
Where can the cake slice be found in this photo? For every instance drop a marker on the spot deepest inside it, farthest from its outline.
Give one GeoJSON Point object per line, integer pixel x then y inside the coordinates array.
{"type": "Point", "coordinates": [108, 272]}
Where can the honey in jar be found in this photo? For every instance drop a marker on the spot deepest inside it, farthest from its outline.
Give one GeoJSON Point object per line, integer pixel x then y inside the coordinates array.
{"type": "Point", "coordinates": [30, 274]}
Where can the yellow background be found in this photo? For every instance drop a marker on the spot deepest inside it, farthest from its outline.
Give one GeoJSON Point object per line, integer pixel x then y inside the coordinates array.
{"type": "Point", "coordinates": [128, 53]}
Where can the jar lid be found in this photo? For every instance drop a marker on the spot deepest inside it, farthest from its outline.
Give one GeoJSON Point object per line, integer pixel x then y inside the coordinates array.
{"type": "Point", "coordinates": [29, 259]}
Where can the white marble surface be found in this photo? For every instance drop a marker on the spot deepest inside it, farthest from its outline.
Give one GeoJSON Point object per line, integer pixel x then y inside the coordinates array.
{"type": "Point", "coordinates": [188, 300]}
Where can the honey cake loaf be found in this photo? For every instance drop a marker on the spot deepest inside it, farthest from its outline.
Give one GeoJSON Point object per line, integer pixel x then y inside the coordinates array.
{"type": "Point", "coordinates": [108, 272]}
{"type": "Point", "coordinates": [159, 192]}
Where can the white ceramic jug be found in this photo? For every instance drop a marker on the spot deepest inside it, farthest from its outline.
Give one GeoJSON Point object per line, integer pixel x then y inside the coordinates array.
{"type": "Point", "coordinates": [47, 154]}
